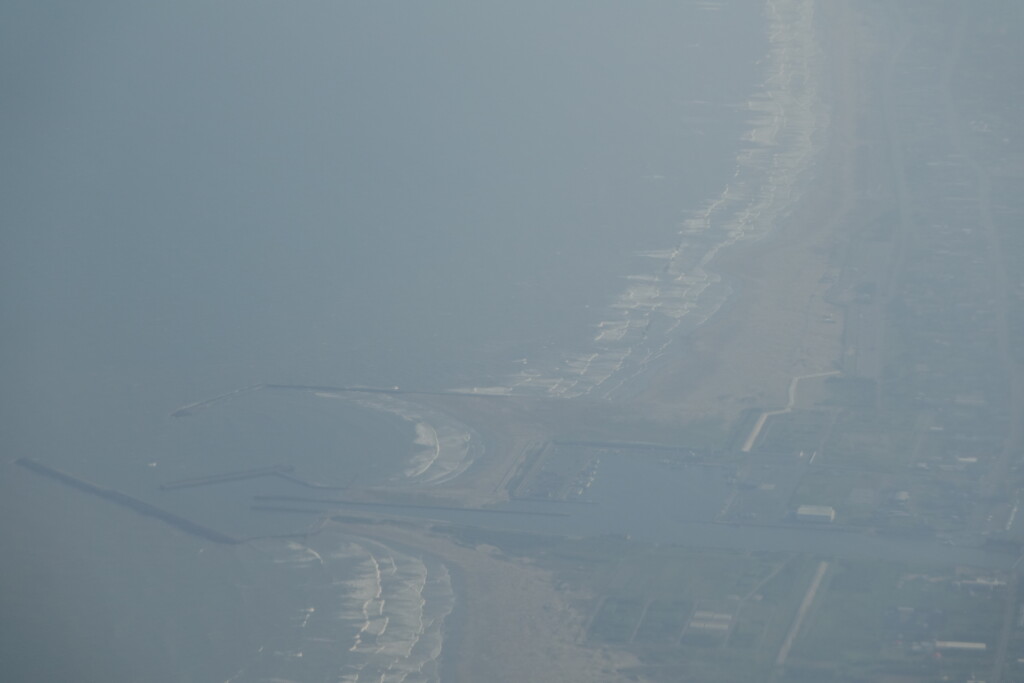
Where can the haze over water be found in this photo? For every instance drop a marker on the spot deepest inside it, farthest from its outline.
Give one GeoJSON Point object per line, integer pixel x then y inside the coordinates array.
{"type": "Point", "coordinates": [203, 197]}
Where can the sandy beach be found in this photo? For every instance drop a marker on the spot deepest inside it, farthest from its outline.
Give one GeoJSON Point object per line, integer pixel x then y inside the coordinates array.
{"type": "Point", "coordinates": [780, 324]}
{"type": "Point", "coordinates": [516, 625]}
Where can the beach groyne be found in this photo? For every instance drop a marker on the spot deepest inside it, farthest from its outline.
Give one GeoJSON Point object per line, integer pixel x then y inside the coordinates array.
{"type": "Point", "coordinates": [140, 507]}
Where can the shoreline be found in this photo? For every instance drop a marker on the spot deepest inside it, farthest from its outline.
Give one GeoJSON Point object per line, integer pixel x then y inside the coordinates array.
{"type": "Point", "coordinates": [503, 601]}
{"type": "Point", "coordinates": [779, 324]}
{"type": "Point", "coordinates": [678, 290]}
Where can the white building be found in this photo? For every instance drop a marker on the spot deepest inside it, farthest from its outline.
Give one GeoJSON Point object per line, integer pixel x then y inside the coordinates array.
{"type": "Point", "coordinates": [958, 645]}
{"type": "Point", "coordinates": [816, 513]}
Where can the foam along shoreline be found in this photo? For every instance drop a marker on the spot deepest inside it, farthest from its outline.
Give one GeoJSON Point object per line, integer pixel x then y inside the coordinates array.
{"type": "Point", "coordinates": [365, 611]}
{"type": "Point", "coordinates": [444, 447]}
{"type": "Point", "coordinates": [681, 291]}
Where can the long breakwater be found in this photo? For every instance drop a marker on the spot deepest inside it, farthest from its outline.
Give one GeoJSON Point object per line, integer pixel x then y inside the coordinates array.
{"type": "Point", "coordinates": [124, 500]}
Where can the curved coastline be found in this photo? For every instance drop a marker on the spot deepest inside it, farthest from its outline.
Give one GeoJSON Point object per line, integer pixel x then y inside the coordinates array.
{"type": "Point", "coordinates": [442, 447]}
{"type": "Point", "coordinates": [680, 291]}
